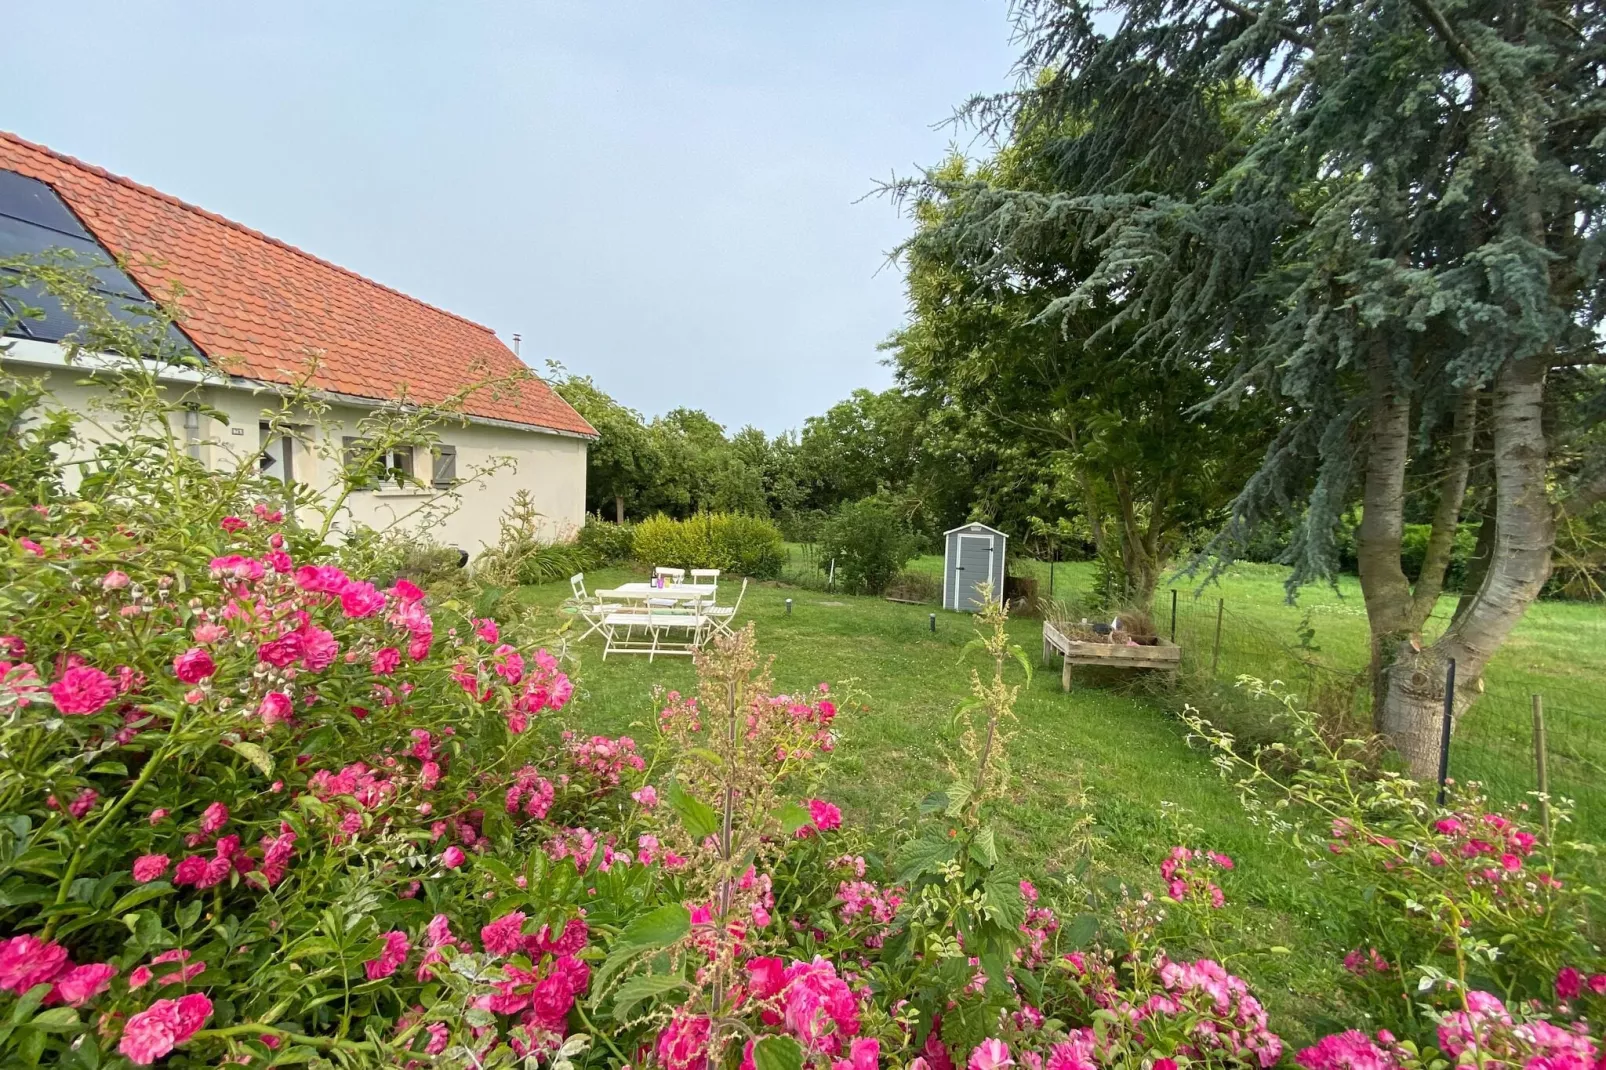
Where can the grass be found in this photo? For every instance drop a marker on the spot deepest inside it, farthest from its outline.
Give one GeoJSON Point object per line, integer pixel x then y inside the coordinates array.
{"type": "Point", "coordinates": [1105, 769]}
{"type": "Point", "coordinates": [1097, 770]}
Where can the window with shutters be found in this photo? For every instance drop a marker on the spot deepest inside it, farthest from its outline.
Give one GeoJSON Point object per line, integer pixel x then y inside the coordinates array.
{"type": "Point", "coordinates": [393, 466]}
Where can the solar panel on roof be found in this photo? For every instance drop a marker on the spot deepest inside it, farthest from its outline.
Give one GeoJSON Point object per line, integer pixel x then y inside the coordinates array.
{"type": "Point", "coordinates": [32, 201]}
{"type": "Point", "coordinates": [34, 221]}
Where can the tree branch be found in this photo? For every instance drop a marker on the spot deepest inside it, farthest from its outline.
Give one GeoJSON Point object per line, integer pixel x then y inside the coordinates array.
{"type": "Point", "coordinates": [1447, 517]}
{"type": "Point", "coordinates": [1289, 33]}
{"type": "Point", "coordinates": [1441, 25]}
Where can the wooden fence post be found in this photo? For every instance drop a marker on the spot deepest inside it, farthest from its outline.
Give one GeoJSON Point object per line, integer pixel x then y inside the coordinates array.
{"type": "Point", "coordinates": [1542, 762]}
{"type": "Point", "coordinates": [1215, 653]}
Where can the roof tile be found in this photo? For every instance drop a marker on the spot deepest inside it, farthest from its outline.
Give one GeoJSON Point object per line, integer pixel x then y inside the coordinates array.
{"type": "Point", "coordinates": [267, 304]}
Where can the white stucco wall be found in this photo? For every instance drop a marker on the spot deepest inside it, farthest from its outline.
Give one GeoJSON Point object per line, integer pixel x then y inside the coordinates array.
{"type": "Point", "coordinates": [551, 467]}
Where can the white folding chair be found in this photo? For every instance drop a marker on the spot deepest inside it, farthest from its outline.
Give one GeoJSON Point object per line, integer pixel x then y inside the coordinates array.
{"type": "Point", "coordinates": [721, 617]}
{"type": "Point", "coordinates": [705, 575]}
{"type": "Point", "coordinates": [592, 610]}
{"type": "Point", "coordinates": [673, 575]}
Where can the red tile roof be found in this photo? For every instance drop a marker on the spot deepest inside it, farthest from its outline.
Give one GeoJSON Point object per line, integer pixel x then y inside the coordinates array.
{"type": "Point", "coordinates": [258, 307]}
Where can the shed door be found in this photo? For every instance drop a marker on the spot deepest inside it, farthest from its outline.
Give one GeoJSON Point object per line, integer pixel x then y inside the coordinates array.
{"type": "Point", "coordinates": [974, 569]}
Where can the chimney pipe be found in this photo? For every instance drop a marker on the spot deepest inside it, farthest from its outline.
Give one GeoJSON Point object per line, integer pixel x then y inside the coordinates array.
{"type": "Point", "coordinates": [516, 340]}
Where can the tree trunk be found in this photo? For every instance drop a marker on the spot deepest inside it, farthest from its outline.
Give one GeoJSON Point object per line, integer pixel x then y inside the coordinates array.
{"type": "Point", "coordinates": [618, 509]}
{"type": "Point", "coordinates": [1384, 586]}
{"type": "Point", "coordinates": [1518, 567]}
{"type": "Point", "coordinates": [1447, 517]}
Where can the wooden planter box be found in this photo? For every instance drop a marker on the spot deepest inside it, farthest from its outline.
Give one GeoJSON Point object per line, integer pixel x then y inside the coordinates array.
{"type": "Point", "coordinates": [1163, 655]}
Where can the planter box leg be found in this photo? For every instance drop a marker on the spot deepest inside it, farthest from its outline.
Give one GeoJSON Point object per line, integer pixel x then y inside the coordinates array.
{"type": "Point", "coordinates": [1065, 675]}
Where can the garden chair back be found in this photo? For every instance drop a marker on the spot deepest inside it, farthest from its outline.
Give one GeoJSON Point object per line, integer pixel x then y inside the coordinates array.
{"type": "Point", "coordinates": [722, 617]}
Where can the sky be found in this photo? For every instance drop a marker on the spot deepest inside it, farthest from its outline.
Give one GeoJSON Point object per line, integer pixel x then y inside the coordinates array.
{"type": "Point", "coordinates": [668, 197]}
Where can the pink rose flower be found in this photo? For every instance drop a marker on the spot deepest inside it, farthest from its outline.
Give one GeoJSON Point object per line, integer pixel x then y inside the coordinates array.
{"type": "Point", "coordinates": [231, 524]}
{"type": "Point", "coordinates": [26, 961]}
{"type": "Point", "coordinates": [505, 935]}
{"type": "Point", "coordinates": [82, 803]}
{"type": "Point", "coordinates": [214, 817]}
{"type": "Point", "coordinates": [82, 690]}
{"type": "Point", "coordinates": [391, 958]}
{"type": "Point", "coordinates": [149, 867]}
{"type": "Point", "coordinates": [990, 1054]}
{"type": "Point", "coordinates": [81, 984]}
{"type": "Point", "coordinates": [163, 1026]}
{"type": "Point", "coordinates": [115, 580]}
{"type": "Point", "coordinates": [206, 634]}
{"type": "Point", "coordinates": [453, 857]}
{"type": "Point", "coordinates": [194, 665]}
{"type": "Point", "coordinates": [275, 708]}
{"type": "Point", "coordinates": [826, 816]}
{"type": "Point", "coordinates": [385, 661]}
{"type": "Point", "coordinates": [361, 599]}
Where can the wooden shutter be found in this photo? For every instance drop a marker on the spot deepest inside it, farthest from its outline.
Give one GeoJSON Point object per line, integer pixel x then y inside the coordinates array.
{"type": "Point", "coordinates": [445, 474]}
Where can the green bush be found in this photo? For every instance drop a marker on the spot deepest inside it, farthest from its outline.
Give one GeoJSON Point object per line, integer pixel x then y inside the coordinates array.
{"type": "Point", "coordinates": [741, 545]}
{"type": "Point", "coordinates": [1414, 548]}
{"type": "Point", "coordinates": [870, 543]}
{"type": "Point", "coordinates": [606, 542]}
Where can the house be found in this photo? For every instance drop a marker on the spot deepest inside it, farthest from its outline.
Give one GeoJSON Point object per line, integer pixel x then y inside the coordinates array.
{"type": "Point", "coordinates": [272, 316]}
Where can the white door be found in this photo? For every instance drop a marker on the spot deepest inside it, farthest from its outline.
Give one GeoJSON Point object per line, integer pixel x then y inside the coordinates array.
{"type": "Point", "coordinates": [975, 568]}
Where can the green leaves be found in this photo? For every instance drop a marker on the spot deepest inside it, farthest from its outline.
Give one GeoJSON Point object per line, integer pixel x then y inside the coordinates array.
{"type": "Point", "coordinates": [777, 1053]}
{"type": "Point", "coordinates": [926, 855]}
{"type": "Point", "coordinates": [654, 929]}
{"type": "Point", "coordinates": [698, 818]}
{"type": "Point", "coordinates": [142, 894]}
{"type": "Point", "coordinates": [644, 986]}
{"type": "Point", "coordinates": [791, 816]}
{"type": "Point", "coordinates": [256, 756]}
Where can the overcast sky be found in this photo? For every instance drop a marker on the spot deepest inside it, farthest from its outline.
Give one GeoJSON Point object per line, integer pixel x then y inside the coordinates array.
{"type": "Point", "coordinates": [660, 195]}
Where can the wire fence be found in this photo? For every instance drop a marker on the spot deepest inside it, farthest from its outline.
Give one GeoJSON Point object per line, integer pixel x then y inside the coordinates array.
{"type": "Point", "coordinates": [1494, 741]}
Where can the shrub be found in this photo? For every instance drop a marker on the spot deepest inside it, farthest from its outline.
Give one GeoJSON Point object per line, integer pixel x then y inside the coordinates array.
{"type": "Point", "coordinates": [870, 544]}
{"type": "Point", "coordinates": [734, 543]}
{"type": "Point", "coordinates": [915, 587]}
{"type": "Point", "coordinates": [606, 542]}
{"type": "Point", "coordinates": [524, 555]}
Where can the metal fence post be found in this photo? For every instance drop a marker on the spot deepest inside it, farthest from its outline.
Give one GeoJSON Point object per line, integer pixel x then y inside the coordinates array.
{"type": "Point", "coordinates": [1173, 614]}
{"type": "Point", "coordinates": [1444, 734]}
{"type": "Point", "coordinates": [1541, 760]}
{"type": "Point", "coordinates": [1215, 653]}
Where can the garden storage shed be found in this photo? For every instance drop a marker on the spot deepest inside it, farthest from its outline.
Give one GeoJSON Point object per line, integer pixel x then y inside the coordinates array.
{"type": "Point", "coordinates": [974, 555]}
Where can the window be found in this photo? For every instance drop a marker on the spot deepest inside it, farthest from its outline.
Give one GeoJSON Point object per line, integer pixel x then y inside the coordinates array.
{"type": "Point", "coordinates": [278, 456]}
{"type": "Point", "coordinates": [393, 465]}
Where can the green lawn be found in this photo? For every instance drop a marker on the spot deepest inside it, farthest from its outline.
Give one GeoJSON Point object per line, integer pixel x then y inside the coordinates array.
{"type": "Point", "coordinates": [1105, 768]}
{"type": "Point", "coordinates": [1096, 769]}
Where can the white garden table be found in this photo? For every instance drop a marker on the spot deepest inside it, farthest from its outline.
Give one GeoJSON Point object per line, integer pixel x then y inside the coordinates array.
{"type": "Point", "coordinates": [677, 592]}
